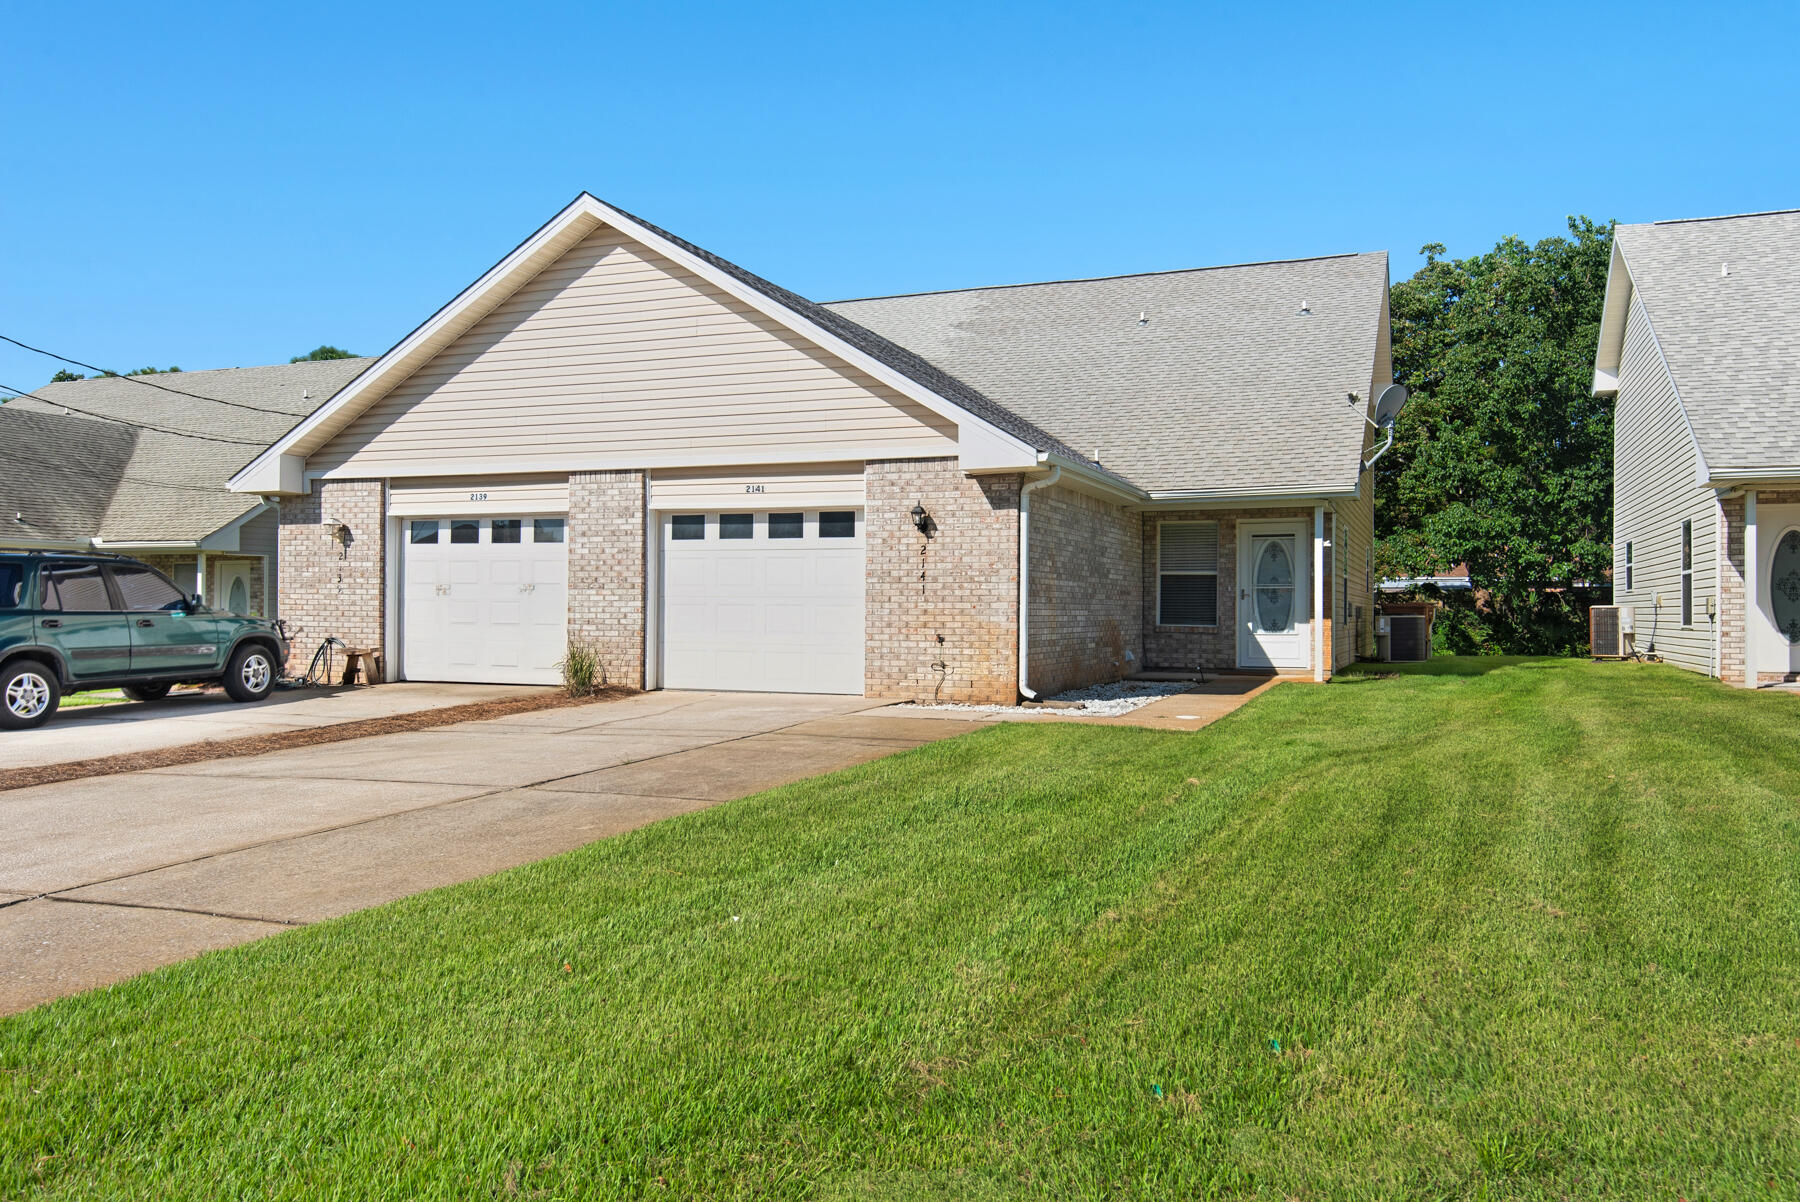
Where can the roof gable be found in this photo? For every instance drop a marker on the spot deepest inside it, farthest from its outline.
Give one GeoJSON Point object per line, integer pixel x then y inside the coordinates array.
{"type": "Point", "coordinates": [614, 355]}
{"type": "Point", "coordinates": [983, 441]}
{"type": "Point", "coordinates": [1718, 296]}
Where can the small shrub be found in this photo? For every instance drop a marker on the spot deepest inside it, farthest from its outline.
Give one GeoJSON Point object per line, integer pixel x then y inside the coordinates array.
{"type": "Point", "coordinates": [582, 674]}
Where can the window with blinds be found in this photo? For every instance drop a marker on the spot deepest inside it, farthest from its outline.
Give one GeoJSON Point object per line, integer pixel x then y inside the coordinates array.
{"type": "Point", "coordinates": [1187, 573]}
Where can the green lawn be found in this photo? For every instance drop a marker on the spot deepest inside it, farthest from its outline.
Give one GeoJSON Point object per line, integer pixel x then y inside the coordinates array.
{"type": "Point", "coordinates": [1486, 929]}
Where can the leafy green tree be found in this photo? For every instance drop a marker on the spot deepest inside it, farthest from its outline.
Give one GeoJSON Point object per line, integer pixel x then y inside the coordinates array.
{"type": "Point", "coordinates": [1503, 459]}
{"type": "Point", "coordinates": [64, 375]}
{"type": "Point", "coordinates": [150, 371]}
{"type": "Point", "coordinates": [323, 352]}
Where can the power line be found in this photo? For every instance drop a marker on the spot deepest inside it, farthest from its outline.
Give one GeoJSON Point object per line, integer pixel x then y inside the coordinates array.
{"type": "Point", "coordinates": [70, 469]}
{"type": "Point", "coordinates": [37, 350]}
{"type": "Point", "coordinates": [125, 421]}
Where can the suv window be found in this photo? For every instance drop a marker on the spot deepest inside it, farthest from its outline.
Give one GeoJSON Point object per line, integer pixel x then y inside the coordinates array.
{"type": "Point", "coordinates": [142, 589]}
{"type": "Point", "coordinates": [12, 585]}
{"type": "Point", "coordinates": [76, 588]}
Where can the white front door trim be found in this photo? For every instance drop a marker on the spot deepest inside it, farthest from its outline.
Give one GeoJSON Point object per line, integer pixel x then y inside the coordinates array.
{"type": "Point", "coordinates": [1291, 649]}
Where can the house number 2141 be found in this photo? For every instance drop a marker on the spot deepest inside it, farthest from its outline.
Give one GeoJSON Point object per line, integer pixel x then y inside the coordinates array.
{"type": "Point", "coordinates": [753, 488]}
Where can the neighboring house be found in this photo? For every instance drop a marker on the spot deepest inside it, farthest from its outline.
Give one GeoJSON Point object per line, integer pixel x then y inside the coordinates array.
{"type": "Point", "coordinates": [71, 479]}
{"type": "Point", "coordinates": [616, 437]}
{"type": "Point", "coordinates": [1700, 343]}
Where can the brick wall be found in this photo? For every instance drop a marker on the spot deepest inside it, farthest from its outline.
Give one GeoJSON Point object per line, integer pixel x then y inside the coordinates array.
{"type": "Point", "coordinates": [1086, 591]}
{"type": "Point", "coordinates": [606, 570]}
{"type": "Point", "coordinates": [328, 588]}
{"type": "Point", "coordinates": [1734, 605]}
{"type": "Point", "coordinates": [961, 585]}
{"type": "Point", "coordinates": [1214, 648]}
{"type": "Point", "coordinates": [1731, 590]}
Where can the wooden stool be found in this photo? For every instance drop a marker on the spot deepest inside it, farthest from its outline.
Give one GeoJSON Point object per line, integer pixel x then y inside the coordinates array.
{"type": "Point", "coordinates": [365, 660]}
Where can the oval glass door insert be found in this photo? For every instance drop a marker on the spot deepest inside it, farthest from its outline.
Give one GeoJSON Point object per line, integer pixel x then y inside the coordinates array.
{"type": "Point", "coordinates": [1784, 586]}
{"type": "Point", "coordinates": [1275, 587]}
{"type": "Point", "coordinates": [238, 601]}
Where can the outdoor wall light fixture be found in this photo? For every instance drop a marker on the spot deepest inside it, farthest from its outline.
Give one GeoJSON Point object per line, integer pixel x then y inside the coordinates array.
{"type": "Point", "coordinates": [920, 518]}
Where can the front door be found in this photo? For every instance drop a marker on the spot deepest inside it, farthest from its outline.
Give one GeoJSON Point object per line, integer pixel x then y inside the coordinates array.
{"type": "Point", "coordinates": [1781, 602]}
{"type": "Point", "coordinates": [1273, 596]}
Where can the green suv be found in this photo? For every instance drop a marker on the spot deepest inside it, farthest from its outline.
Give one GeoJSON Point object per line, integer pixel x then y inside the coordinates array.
{"type": "Point", "coordinates": [70, 622]}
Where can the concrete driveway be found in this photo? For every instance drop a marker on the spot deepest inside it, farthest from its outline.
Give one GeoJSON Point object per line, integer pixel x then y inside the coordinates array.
{"type": "Point", "coordinates": [87, 732]}
{"type": "Point", "coordinates": [104, 878]}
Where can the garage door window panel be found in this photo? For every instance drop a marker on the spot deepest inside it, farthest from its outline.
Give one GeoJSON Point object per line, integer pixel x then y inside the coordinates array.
{"type": "Point", "coordinates": [687, 527]}
{"type": "Point", "coordinates": [737, 525]}
{"type": "Point", "coordinates": [787, 525]}
{"type": "Point", "coordinates": [546, 530]}
{"type": "Point", "coordinates": [837, 523]}
{"type": "Point", "coordinates": [423, 532]}
{"type": "Point", "coordinates": [505, 530]}
{"type": "Point", "coordinates": [465, 532]}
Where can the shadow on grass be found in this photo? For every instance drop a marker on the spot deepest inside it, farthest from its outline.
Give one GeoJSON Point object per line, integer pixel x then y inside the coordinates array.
{"type": "Point", "coordinates": [1363, 672]}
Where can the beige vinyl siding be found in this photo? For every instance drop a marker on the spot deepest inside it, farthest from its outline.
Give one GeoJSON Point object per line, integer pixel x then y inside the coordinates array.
{"type": "Point", "coordinates": [474, 495]}
{"type": "Point", "coordinates": [1353, 538]}
{"type": "Point", "coordinates": [616, 352]}
{"type": "Point", "coordinates": [1654, 491]}
{"type": "Point", "coordinates": [807, 486]}
{"type": "Point", "coordinates": [257, 536]}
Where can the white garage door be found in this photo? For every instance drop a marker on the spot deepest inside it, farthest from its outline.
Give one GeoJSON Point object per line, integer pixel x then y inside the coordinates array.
{"type": "Point", "coordinates": [484, 599]}
{"type": "Point", "coordinates": [768, 602]}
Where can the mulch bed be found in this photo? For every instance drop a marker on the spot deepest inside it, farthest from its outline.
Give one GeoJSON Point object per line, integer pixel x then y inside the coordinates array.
{"type": "Point", "coordinates": [194, 753]}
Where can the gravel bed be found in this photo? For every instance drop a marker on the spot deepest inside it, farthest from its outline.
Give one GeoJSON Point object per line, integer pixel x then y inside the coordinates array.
{"type": "Point", "coordinates": [1096, 701]}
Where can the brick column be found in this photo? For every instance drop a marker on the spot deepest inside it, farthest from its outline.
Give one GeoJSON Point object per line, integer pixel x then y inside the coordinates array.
{"type": "Point", "coordinates": [331, 588]}
{"type": "Point", "coordinates": [961, 585]}
{"type": "Point", "coordinates": [606, 570]}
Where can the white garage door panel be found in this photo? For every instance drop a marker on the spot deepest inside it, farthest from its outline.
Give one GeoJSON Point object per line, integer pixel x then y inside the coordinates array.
{"type": "Point", "coordinates": [484, 611]}
{"type": "Point", "coordinates": [761, 614]}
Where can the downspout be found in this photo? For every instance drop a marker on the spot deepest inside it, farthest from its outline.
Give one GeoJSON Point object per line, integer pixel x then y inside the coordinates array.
{"type": "Point", "coordinates": [1318, 594]}
{"type": "Point", "coordinates": [1025, 492]}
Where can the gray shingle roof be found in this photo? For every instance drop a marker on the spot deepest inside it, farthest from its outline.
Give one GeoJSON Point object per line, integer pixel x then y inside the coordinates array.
{"type": "Point", "coordinates": [1225, 386]}
{"type": "Point", "coordinates": [58, 474]}
{"type": "Point", "coordinates": [169, 488]}
{"type": "Point", "coordinates": [1732, 342]}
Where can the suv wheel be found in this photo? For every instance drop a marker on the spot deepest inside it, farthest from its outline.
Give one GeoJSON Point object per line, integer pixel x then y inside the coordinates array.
{"type": "Point", "coordinates": [29, 694]}
{"type": "Point", "coordinates": [251, 673]}
{"type": "Point", "coordinates": [146, 692]}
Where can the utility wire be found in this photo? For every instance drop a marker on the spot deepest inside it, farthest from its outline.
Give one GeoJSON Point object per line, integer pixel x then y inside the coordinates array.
{"type": "Point", "coordinates": [147, 383]}
{"type": "Point", "coordinates": [71, 470]}
{"type": "Point", "coordinates": [125, 421]}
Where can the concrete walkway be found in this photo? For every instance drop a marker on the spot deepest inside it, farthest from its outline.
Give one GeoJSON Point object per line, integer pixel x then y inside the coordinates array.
{"type": "Point", "coordinates": [105, 878]}
{"type": "Point", "coordinates": [86, 732]}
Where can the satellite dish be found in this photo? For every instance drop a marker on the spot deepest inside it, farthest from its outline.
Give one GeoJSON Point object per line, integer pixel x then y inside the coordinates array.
{"type": "Point", "coordinates": [1390, 403]}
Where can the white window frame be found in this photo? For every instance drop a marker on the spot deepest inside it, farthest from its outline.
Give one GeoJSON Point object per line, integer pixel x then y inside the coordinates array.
{"type": "Point", "coordinates": [1160, 573]}
{"type": "Point", "coordinates": [1686, 552]}
{"type": "Point", "coordinates": [1630, 575]}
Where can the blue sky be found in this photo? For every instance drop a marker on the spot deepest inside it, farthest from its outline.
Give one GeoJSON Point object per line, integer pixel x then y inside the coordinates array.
{"type": "Point", "coordinates": [219, 186]}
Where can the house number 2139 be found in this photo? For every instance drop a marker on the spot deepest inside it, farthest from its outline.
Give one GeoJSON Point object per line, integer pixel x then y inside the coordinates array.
{"type": "Point", "coordinates": [477, 496]}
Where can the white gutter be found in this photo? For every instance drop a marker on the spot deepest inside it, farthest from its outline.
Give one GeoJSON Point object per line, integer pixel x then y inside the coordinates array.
{"type": "Point", "coordinates": [1025, 492]}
